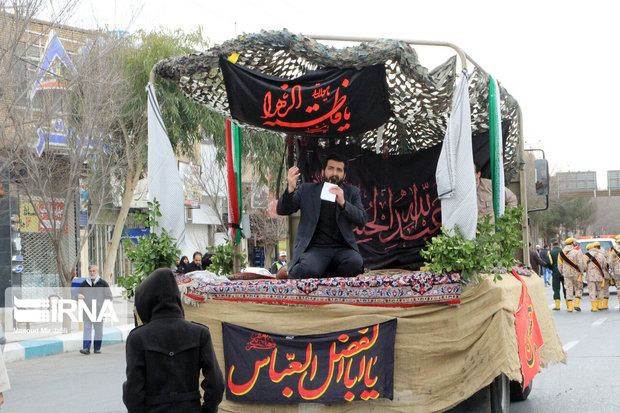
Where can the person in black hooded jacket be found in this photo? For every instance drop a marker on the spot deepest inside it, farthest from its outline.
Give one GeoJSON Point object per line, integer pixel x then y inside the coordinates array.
{"type": "Point", "coordinates": [166, 354]}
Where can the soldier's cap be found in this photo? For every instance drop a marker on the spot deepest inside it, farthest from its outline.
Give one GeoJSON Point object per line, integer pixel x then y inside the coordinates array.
{"type": "Point", "coordinates": [553, 240]}
{"type": "Point", "coordinates": [569, 240]}
{"type": "Point", "coordinates": [590, 246]}
{"type": "Point", "coordinates": [618, 237]}
{"type": "Point", "coordinates": [596, 244]}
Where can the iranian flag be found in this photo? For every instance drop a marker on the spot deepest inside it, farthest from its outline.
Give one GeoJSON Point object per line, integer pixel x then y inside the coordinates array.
{"type": "Point", "coordinates": [497, 149]}
{"type": "Point", "coordinates": [233, 166]}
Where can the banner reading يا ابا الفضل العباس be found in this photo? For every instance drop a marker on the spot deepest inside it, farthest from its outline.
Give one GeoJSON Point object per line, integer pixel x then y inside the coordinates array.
{"type": "Point", "coordinates": [340, 366]}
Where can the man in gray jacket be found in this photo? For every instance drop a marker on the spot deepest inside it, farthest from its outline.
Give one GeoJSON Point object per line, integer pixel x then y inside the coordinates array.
{"type": "Point", "coordinates": [325, 242]}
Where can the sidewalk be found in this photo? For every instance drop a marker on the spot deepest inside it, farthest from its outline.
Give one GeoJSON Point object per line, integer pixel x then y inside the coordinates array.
{"type": "Point", "coordinates": [25, 349]}
{"type": "Point", "coordinates": [25, 341]}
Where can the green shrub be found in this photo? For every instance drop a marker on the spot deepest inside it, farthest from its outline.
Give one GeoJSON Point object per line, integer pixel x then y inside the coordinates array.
{"type": "Point", "coordinates": [152, 251]}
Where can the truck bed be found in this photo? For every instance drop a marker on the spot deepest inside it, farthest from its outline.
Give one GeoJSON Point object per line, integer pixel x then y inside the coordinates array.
{"type": "Point", "coordinates": [443, 353]}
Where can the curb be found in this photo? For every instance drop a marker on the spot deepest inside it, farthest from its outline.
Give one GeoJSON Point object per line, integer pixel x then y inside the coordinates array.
{"type": "Point", "coordinates": [25, 350]}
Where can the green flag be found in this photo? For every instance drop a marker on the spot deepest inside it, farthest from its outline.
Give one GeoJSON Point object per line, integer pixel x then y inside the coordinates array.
{"type": "Point", "coordinates": [497, 151]}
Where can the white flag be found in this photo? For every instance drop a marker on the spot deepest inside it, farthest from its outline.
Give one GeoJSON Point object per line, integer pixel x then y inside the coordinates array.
{"type": "Point", "coordinates": [456, 183]}
{"type": "Point", "coordinates": [164, 180]}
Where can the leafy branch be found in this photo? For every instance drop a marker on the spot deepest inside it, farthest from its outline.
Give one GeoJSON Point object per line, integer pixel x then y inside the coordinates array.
{"type": "Point", "coordinates": [152, 251]}
{"type": "Point", "coordinates": [492, 249]}
{"type": "Point", "coordinates": [222, 259]}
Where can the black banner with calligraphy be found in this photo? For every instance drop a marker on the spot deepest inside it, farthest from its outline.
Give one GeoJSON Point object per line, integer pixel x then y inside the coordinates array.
{"type": "Point", "coordinates": [327, 102]}
{"type": "Point", "coordinates": [335, 367]}
{"type": "Point", "coordinates": [399, 194]}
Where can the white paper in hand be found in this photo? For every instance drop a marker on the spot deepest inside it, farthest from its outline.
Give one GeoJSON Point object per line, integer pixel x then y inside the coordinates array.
{"type": "Point", "coordinates": [325, 194]}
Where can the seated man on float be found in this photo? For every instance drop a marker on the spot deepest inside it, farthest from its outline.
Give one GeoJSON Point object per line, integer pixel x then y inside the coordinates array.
{"type": "Point", "coordinates": [325, 238]}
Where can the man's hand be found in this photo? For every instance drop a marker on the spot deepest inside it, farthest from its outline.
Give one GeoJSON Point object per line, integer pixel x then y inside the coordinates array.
{"type": "Point", "coordinates": [339, 195]}
{"type": "Point", "coordinates": [291, 177]}
{"type": "Point", "coordinates": [80, 296]}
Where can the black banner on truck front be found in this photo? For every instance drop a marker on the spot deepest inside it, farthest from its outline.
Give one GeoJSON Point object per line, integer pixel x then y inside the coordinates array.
{"type": "Point", "coordinates": [326, 102]}
{"type": "Point", "coordinates": [335, 367]}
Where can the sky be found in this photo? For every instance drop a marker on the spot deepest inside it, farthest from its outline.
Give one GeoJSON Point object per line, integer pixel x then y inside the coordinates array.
{"type": "Point", "coordinates": [557, 58]}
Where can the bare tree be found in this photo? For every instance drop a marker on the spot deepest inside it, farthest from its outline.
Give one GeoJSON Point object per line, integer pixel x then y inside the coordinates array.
{"type": "Point", "coordinates": [268, 229]}
{"type": "Point", "coordinates": [212, 183]}
{"type": "Point", "coordinates": [55, 139]}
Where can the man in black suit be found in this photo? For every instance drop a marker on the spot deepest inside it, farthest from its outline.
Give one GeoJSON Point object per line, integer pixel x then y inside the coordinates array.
{"type": "Point", "coordinates": [325, 241]}
{"type": "Point", "coordinates": [196, 264]}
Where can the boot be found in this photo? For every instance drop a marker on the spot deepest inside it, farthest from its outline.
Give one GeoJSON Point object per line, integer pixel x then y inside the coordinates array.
{"type": "Point", "coordinates": [599, 303]}
{"type": "Point", "coordinates": [557, 305]}
{"type": "Point", "coordinates": [577, 308]}
{"type": "Point", "coordinates": [569, 304]}
{"type": "Point", "coordinates": [594, 306]}
{"type": "Point", "coordinates": [605, 303]}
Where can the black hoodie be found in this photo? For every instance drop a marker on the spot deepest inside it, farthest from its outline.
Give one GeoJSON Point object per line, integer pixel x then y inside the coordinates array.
{"type": "Point", "coordinates": [172, 351]}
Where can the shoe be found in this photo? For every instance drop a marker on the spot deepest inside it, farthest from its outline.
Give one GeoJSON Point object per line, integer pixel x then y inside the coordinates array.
{"type": "Point", "coordinates": [577, 300]}
{"type": "Point", "coordinates": [85, 351]}
{"type": "Point", "coordinates": [97, 351]}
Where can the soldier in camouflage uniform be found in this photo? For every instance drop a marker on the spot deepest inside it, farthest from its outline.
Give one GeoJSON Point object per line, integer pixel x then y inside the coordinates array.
{"type": "Point", "coordinates": [595, 275]}
{"type": "Point", "coordinates": [607, 277]}
{"type": "Point", "coordinates": [614, 261]}
{"type": "Point", "coordinates": [570, 264]}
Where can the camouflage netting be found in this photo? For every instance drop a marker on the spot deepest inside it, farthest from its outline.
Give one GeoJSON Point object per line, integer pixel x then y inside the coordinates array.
{"type": "Point", "coordinates": [420, 100]}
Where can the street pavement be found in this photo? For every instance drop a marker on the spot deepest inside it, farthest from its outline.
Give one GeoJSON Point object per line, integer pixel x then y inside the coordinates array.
{"type": "Point", "coordinates": [590, 381]}
{"type": "Point", "coordinates": [68, 383]}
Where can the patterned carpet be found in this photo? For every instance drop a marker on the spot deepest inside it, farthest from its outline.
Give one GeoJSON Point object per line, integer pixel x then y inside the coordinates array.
{"type": "Point", "coordinates": [384, 288]}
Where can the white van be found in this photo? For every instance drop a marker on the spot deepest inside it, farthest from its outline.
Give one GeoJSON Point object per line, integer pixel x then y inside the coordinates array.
{"type": "Point", "coordinates": [607, 241]}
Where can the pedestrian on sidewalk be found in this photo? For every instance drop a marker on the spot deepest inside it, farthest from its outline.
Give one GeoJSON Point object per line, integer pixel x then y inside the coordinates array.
{"type": "Point", "coordinates": [94, 291]}
{"type": "Point", "coordinates": [535, 261]}
{"type": "Point", "coordinates": [166, 354]}
{"type": "Point", "coordinates": [546, 270]}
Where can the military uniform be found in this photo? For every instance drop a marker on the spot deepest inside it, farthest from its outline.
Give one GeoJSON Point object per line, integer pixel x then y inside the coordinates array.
{"type": "Point", "coordinates": [607, 277]}
{"type": "Point", "coordinates": [557, 280]}
{"type": "Point", "coordinates": [570, 264]}
{"type": "Point", "coordinates": [614, 262]}
{"type": "Point", "coordinates": [484, 193]}
{"type": "Point", "coordinates": [579, 290]}
{"type": "Point", "coordinates": [595, 276]}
